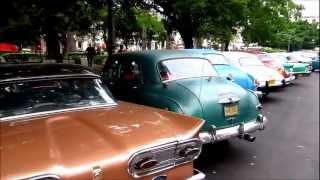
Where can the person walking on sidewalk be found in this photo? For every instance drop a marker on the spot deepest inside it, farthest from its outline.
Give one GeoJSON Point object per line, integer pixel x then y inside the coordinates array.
{"type": "Point", "coordinates": [90, 53]}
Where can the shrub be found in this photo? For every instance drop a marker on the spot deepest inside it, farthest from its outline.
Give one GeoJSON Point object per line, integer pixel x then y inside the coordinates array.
{"type": "Point", "coordinates": [76, 58]}
{"type": "Point", "coordinates": [99, 59]}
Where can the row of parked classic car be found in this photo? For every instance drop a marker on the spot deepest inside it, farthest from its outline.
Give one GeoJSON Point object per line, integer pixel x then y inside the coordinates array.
{"type": "Point", "coordinates": [62, 121]}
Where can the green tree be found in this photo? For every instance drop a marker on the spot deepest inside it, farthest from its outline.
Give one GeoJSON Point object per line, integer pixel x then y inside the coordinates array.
{"type": "Point", "coordinates": [223, 20]}
{"type": "Point", "coordinates": [31, 19]}
{"type": "Point", "coordinates": [149, 27]}
{"type": "Point", "coordinates": [266, 18]}
{"type": "Point", "coordinates": [182, 15]}
{"type": "Point", "coordinates": [298, 35]}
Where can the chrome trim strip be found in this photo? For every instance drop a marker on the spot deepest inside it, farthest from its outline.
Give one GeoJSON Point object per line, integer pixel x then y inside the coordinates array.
{"type": "Point", "coordinates": [163, 176]}
{"type": "Point", "coordinates": [38, 114]}
{"type": "Point", "coordinates": [228, 100]}
{"type": "Point", "coordinates": [256, 93]}
{"type": "Point", "coordinates": [50, 77]}
{"type": "Point", "coordinates": [44, 176]}
{"type": "Point", "coordinates": [198, 175]}
{"type": "Point", "coordinates": [182, 78]}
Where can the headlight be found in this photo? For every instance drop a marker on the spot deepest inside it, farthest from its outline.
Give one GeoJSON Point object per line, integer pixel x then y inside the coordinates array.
{"type": "Point", "coordinates": [164, 157]}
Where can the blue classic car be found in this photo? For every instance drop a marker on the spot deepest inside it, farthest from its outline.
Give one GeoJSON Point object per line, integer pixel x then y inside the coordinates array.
{"type": "Point", "coordinates": [227, 70]}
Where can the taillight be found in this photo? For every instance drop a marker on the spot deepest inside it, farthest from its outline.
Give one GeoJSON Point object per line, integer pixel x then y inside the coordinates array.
{"type": "Point", "coordinates": [164, 157]}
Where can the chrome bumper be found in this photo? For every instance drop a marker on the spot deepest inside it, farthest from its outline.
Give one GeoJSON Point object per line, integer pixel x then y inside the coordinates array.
{"type": "Point", "coordinates": [277, 83]}
{"type": "Point", "coordinates": [289, 79]}
{"type": "Point", "coordinates": [236, 131]}
{"type": "Point", "coordinates": [302, 74]}
{"type": "Point", "coordinates": [259, 94]}
{"type": "Point", "coordinates": [197, 175]}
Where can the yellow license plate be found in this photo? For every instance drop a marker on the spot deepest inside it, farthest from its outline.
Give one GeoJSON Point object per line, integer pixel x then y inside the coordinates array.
{"type": "Point", "coordinates": [231, 110]}
{"type": "Point", "coordinates": [272, 82]}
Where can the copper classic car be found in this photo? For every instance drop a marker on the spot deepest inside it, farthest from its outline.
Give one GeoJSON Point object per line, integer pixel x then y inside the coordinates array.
{"type": "Point", "coordinates": [59, 121]}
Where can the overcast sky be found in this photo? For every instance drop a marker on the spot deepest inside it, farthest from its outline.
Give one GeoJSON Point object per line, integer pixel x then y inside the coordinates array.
{"type": "Point", "coordinates": [311, 7]}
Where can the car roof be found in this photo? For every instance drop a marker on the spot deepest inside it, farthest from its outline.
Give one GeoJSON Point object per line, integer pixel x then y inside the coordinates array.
{"type": "Point", "coordinates": [204, 51]}
{"type": "Point", "coordinates": [238, 55]}
{"type": "Point", "coordinates": [29, 71]}
{"type": "Point", "coordinates": [159, 55]}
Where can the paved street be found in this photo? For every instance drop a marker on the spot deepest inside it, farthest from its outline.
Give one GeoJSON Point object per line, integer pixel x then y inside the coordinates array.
{"type": "Point", "coordinates": [288, 149]}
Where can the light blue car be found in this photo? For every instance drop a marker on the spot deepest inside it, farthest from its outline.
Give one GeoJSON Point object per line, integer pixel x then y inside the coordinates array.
{"type": "Point", "coordinates": [228, 71]}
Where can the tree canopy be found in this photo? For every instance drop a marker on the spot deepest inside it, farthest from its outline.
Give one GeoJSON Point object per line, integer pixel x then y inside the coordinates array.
{"type": "Point", "coordinates": [273, 23]}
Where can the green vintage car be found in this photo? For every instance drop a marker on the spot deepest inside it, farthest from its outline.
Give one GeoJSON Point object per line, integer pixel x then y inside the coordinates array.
{"type": "Point", "coordinates": [296, 68]}
{"type": "Point", "coordinates": [182, 82]}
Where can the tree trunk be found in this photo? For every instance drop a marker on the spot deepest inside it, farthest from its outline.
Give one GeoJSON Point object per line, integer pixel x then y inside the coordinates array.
{"type": "Point", "coordinates": [104, 36]}
{"type": "Point", "coordinates": [149, 41]}
{"type": "Point", "coordinates": [186, 35]}
{"type": "Point", "coordinates": [226, 45]}
{"type": "Point", "coordinates": [169, 41]}
{"type": "Point", "coordinates": [144, 39]}
{"type": "Point", "coordinates": [198, 42]}
{"type": "Point", "coordinates": [71, 42]}
{"type": "Point", "coordinates": [53, 47]}
{"type": "Point", "coordinates": [156, 45]}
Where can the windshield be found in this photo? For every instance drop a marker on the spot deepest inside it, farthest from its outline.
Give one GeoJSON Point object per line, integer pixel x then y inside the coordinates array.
{"type": "Point", "coordinates": [216, 59]}
{"type": "Point", "coordinates": [46, 95]}
{"type": "Point", "coordinates": [250, 61]}
{"type": "Point", "coordinates": [185, 68]}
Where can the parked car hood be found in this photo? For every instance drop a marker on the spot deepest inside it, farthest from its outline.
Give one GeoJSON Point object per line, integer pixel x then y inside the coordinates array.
{"type": "Point", "coordinates": [263, 73]}
{"type": "Point", "coordinates": [72, 143]}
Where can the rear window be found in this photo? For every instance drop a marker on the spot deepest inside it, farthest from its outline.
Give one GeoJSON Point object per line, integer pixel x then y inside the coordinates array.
{"type": "Point", "coordinates": [185, 68]}
{"type": "Point", "coordinates": [216, 59]}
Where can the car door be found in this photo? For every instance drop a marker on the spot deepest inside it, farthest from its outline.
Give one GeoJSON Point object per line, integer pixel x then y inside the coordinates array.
{"type": "Point", "coordinates": [124, 79]}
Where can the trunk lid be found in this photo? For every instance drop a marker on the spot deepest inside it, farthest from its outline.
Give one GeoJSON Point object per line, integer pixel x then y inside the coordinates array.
{"type": "Point", "coordinates": [74, 142]}
{"type": "Point", "coordinates": [213, 90]}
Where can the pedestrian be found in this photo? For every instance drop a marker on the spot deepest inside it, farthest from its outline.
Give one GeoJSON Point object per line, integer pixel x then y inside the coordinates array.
{"type": "Point", "coordinates": [90, 53]}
